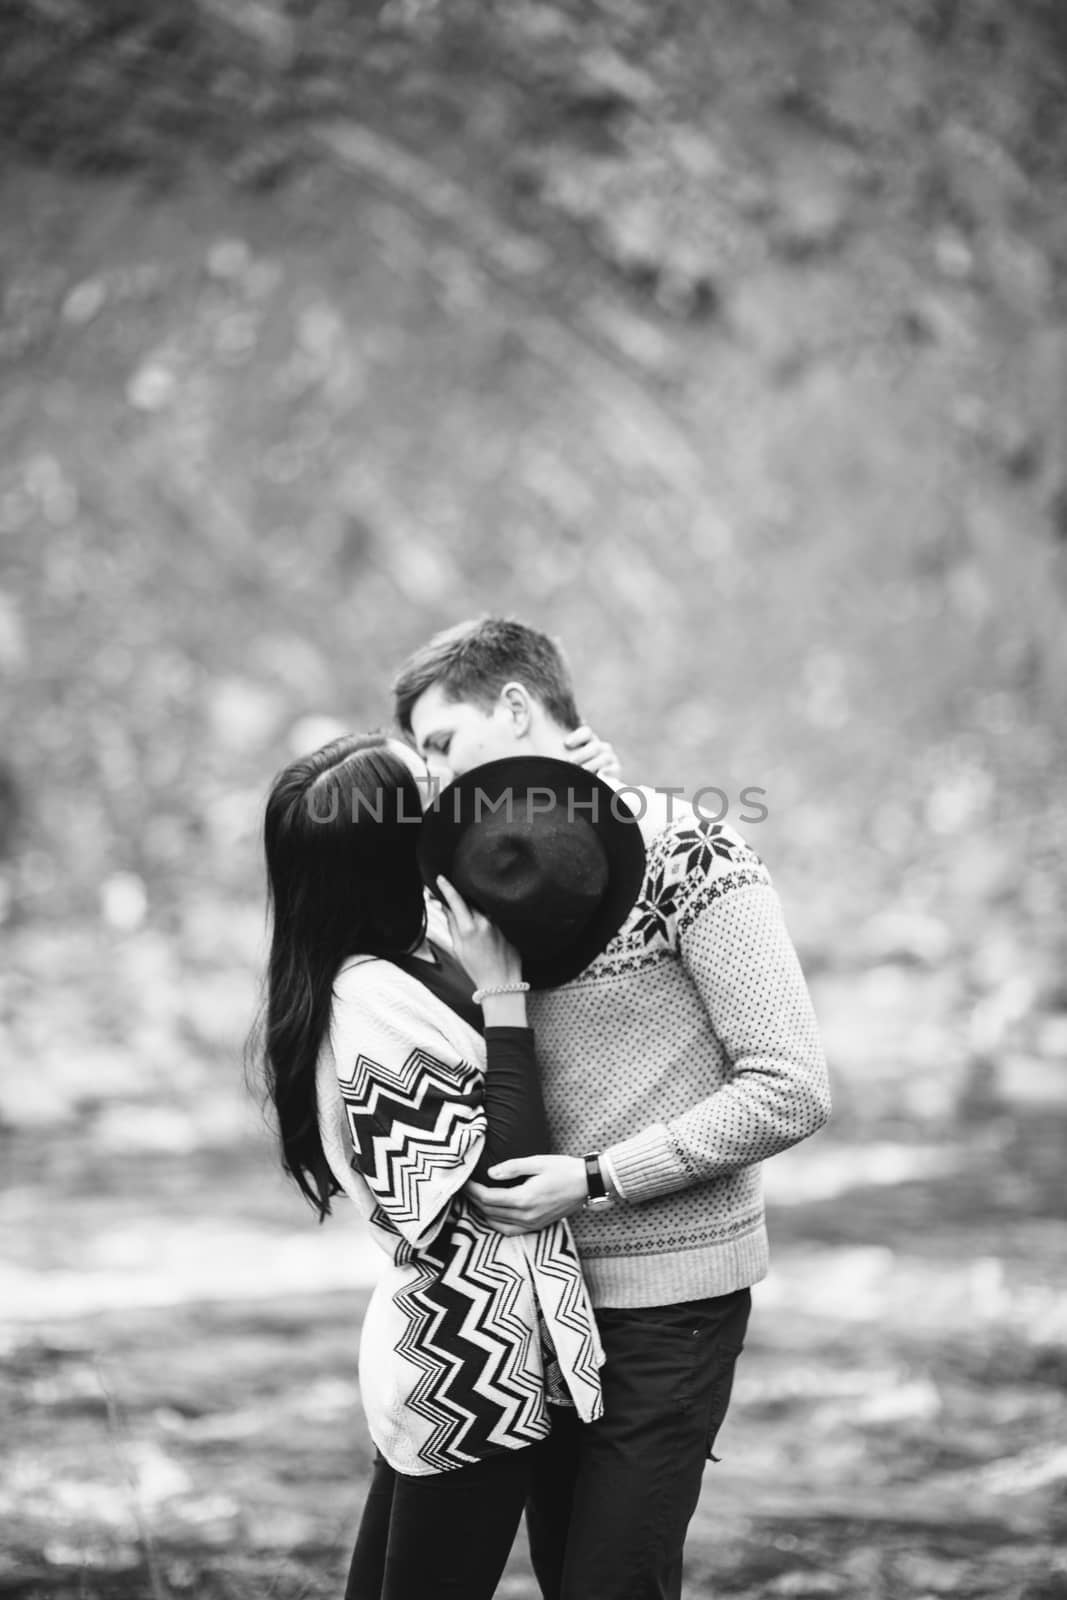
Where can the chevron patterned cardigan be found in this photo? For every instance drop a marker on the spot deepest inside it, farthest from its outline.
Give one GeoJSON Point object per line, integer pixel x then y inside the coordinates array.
{"type": "Point", "coordinates": [465, 1329]}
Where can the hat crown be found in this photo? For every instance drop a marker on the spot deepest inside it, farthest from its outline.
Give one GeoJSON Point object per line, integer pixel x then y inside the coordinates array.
{"type": "Point", "coordinates": [547, 851]}
{"type": "Point", "coordinates": [539, 879]}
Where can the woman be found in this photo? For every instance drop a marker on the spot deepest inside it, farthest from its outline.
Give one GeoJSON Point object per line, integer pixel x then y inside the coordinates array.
{"type": "Point", "coordinates": [397, 1076]}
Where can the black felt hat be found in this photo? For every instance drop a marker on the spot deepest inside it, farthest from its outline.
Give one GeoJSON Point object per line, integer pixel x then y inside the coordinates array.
{"type": "Point", "coordinates": [547, 851]}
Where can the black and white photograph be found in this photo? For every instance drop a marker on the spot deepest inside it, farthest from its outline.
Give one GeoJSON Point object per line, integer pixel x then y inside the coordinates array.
{"type": "Point", "coordinates": [533, 805]}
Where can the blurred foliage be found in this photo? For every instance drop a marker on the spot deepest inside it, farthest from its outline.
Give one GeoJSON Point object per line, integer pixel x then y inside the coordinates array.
{"type": "Point", "coordinates": [730, 347]}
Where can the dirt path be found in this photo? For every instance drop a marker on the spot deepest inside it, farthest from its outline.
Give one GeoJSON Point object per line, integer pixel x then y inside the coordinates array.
{"type": "Point", "coordinates": [896, 1431]}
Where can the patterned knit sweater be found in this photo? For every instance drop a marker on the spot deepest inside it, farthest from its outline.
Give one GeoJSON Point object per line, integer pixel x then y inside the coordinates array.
{"type": "Point", "coordinates": [688, 1052]}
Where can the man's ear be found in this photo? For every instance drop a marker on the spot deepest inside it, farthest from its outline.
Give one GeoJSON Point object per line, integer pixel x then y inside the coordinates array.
{"type": "Point", "coordinates": [515, 698]}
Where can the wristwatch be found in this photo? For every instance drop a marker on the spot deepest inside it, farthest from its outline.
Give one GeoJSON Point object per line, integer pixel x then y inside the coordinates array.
{"type": "Point", "coordinates": [594, 1181]}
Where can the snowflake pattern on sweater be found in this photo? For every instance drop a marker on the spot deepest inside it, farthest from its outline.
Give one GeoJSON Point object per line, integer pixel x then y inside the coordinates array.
{"type": "Point", "coordinates": [683, 875]}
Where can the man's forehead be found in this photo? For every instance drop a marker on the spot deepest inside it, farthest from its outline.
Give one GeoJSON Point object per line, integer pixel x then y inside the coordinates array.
{"type": "Point", "coordinates": [436, 712]}
{"type": "Point", "coordinates": [431, 706]}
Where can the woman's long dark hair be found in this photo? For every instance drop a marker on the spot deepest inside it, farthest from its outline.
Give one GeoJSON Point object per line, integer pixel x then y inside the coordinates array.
{"type": "Point", "coordinates": [342, 879]}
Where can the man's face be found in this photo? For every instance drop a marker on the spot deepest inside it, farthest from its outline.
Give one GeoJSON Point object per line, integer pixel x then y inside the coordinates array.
{"type": "Point", "coordinates": [456, 735]}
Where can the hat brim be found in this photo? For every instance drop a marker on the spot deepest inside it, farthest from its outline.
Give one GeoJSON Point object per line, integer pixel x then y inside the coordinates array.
{"type": "Point", "coordinates": [618, 830]}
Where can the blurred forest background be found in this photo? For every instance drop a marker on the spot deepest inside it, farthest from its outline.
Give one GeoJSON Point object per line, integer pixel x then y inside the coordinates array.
{"type": "Point", "coordinates": [728, 341]}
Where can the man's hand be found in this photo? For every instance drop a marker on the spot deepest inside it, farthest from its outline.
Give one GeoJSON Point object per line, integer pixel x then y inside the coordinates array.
{"type": "Point", "coordinates": [554, 1187]}
{"type": "Point", "coordinates": [587, 750]}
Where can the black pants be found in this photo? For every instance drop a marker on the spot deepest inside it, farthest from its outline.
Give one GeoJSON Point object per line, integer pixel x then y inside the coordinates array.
{"type": "Point", "coordinates": [611, 1500]}
{"type": "Point", "coordinates": [443, 1537]}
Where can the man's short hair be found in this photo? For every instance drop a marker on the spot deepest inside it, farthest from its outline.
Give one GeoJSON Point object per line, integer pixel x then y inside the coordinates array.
{"type": "Point", "coordinates": [474, 660]}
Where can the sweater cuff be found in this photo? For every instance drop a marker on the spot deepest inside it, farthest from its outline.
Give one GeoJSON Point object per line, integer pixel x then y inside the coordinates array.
{"type": "Point", "coordinates": [648, 1164]}
{"type": "Point", "coordinates": [614, 1186]}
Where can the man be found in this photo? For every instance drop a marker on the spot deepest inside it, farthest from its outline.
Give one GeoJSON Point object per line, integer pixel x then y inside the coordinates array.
{"type": "Point", "coordinates": [678, 1060]}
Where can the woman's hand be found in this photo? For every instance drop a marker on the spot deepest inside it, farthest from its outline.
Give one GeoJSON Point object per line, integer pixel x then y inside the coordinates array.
{"type": "Point", "coordinates": [554, 1187]}
{"type": "Point", "coordinates": [478, 945]}
{"type": "Point", "coordinates": [593, 753]}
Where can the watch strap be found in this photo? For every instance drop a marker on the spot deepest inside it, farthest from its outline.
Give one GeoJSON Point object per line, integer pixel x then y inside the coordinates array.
{"type": "Point", "coordinates": [594, 1178]}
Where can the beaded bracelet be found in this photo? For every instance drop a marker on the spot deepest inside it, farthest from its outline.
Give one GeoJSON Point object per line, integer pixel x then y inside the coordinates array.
{"type": "Point", "coordinates": [498, 988]}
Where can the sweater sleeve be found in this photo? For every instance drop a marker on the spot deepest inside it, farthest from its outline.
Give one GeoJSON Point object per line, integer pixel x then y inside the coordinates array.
{"type": "Point", "coordinates": [514, 1107]}
{"type": "Point", "coordinates": [413, 1105]}
{"type": "Point", "coordinates": [730, 936]}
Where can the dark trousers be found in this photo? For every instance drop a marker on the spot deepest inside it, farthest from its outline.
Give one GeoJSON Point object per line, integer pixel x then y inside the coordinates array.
{"type": "Point", "coordinates": [443, 1537]}
{"type": "Point", "coordinates": [611, 1500]}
